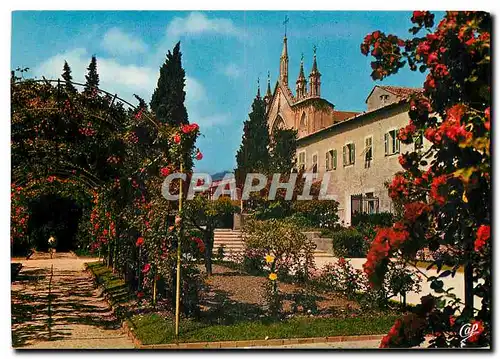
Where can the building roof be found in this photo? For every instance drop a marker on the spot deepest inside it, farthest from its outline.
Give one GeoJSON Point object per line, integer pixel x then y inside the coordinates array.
{"type": "Point", "coordinates": [356, 116]}
{"type": "Point", "coordinates": [401, 92]}
{"type": "Point", "coordinates": [339, 116]}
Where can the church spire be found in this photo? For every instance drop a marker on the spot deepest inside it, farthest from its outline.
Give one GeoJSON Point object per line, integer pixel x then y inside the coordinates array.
{"type": "Point", "coordinates": [301, 80]}
{"type": "Point", "coordinates": [269, 96]}
{"type": "Point", "coordinates": [258, 87]}
{"type": "Point", "coordinates": [284, 63]}
{"type": "Point", "coordinates": [314, 78]}
{"type": "Point", "coordinates": [268, 93]}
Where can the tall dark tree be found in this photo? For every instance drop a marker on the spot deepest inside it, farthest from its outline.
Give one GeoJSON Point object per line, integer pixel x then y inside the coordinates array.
{"type": "Point", "coordinates": [169, 96]}
{"type": "Point", "coordinates": [92, 77]}
{"type": "Point", "coordinates": [283, 148]}
{"type": "Point", "coordinates": [66, 75]}
{"type": "Point", "coordinates": [253, 154]}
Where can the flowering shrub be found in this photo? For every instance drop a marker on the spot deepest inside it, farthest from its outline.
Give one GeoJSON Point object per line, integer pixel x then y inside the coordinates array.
{"type": "Point", "coordinates": [445, 191]}
{"type": "Point", "coordinates": [292, 250]}
{"type": "Point", "coordinates": [343, 278]}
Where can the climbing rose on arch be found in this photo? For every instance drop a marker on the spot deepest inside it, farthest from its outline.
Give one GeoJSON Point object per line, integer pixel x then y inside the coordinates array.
{"type": "Point", "coordinates": [482, 236]}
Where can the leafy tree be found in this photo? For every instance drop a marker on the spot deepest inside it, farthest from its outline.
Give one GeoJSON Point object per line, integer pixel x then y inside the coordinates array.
{"type": "Point", "coordinates": [253, 154]}
{"type": "Point", "coordinates": [283, 150]}
{"type": "Point", "coordinates": [206, 215]}
{"type": "Point", "coordinates": [445, 190]}
{"type": "Point", "coordinates": [168, 98]}
{"type": "Point", "coordinates": [92, 77]}
{"type": "Point", "coordinates": [66, 75]}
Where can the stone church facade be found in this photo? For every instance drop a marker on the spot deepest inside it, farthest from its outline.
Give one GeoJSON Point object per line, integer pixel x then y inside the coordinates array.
{"type": "Point", "coordinates": [359, 150]}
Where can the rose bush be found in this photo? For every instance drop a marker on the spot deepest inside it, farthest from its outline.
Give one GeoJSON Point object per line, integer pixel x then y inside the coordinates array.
{"type": "Point", "coordinates": [445, 191]}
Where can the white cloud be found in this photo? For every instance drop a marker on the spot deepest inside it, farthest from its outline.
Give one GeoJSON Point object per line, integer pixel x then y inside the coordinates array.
{"type": "Point", "coordinates": [232, 71]}
{"type": "Point", "coordinates": [196, 23]}
{"type": "Point", "coordinates": [126, 80]}
{"type": "Point", "coordinates": [117, 42]}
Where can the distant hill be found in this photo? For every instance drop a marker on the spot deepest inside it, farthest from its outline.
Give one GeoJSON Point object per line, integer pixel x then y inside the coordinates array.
{"type": "Point", "coordinates": [219, 175]}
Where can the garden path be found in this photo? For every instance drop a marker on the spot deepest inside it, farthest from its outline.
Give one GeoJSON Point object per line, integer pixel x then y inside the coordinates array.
{"type": "Point", "coordinates": [55, 305]}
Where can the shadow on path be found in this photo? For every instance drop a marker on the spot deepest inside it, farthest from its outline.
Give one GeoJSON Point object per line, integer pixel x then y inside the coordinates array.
{"type": "Point", "coordinates": [53, 303]}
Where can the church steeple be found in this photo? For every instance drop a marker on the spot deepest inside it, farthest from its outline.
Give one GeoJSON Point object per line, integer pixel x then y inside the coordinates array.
{"type": "Point", "coordinates": [301, 86]}
{"type": "Point", "coordinates": [284, 64]}
{"type": "Point", "coordinates": [314, 78]}
{"type": "Point", "coordinates": [269, 96]}
{"type": "Point", "coordinates": [258, 87]}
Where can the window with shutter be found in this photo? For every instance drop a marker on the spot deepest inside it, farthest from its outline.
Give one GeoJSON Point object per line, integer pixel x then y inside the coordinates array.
{"type": "Point", "coordinates": [334, 159]}
{"type": "Point", "coordinates": [344, 157]}
{"type": "Point", "coordinates": [315, 163]}
{"type": "Point", "coordinates": [396, 140]}
{"type": "Point", "coordinates": [327, 161]}
{"type": "Point", "coordinates": [352, 153]}
{"type": "Point", "coordinates": [386, 143]}
{"type": "Point", "coordinates": [368, 148]}
{"type": "Point", "coordinates": [391, 142]}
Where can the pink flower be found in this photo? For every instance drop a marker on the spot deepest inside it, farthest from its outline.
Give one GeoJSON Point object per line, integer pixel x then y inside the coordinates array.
{"type": "Point", "coordinates": [199, 155]}
{"type": "Point", "coordinates": [146, 268]}
{"type": "Point", "coordinates": [165, 171]}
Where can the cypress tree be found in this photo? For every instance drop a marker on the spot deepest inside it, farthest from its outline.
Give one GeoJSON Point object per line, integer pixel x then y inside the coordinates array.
{"type": "Point", "coordinates": [283, 148]}
{"type": "Point", "coordinates": [66, 75]}
{"type": "Point", "coordinates": [92, 77]}
{"type": "Point", "coordinates": [168, 98]}
{"type": "Point", "coordinates": [253, 154]}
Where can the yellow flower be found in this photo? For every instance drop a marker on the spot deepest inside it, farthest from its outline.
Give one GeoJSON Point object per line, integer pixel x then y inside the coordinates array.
{"type": "Point", "coordinates": [269, 258]}
{"type": "Point", "coordinates": [273, 276]}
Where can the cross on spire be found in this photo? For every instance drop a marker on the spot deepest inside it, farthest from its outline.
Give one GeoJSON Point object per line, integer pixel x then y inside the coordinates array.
{"type": "Point", "coordinates": [285, 22]}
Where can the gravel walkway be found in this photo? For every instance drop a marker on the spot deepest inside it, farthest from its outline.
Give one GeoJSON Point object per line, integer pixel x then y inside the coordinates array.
{"type": "Point", "coordinates": [56, 306]}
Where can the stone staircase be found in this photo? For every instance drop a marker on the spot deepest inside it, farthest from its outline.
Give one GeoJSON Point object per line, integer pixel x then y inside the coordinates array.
{"type": "Point", "coordinates": [233, 245]}
{"type": "Point", "coordinates": [230, 240]}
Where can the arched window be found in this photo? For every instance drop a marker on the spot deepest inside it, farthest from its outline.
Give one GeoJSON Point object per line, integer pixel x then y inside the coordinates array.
{"type": "Point", "coordinates": [303, 122]}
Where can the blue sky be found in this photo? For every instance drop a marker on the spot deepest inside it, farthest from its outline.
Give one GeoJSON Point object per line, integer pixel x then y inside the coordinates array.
{"type": "Point", "coordinates": [223, 54]}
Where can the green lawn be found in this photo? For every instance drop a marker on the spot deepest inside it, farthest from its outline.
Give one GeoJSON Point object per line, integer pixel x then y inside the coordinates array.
{"type": "Point", "coordinates": [116, 288]}
{"type": "Point", "coordinates": [154, 329]}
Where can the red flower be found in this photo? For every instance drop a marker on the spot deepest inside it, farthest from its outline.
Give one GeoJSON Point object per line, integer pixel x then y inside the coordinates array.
{"type": "Point", "coordinates": [146, 268]}
{"type": "Point", "coordinates": [177, 138]}
{"type": "Point", "coordinates": [165, 171]}
{"type": "Point", "coordinates": [140, 242]}
{"type": "Point", "coordinates": [487, 122]}
{"type": "Point", "coordinates": [436, 185]}
{"type": "Point", "coordinates": [482, 236]}
{"type": "Point", "coordinates": [199, 243]}
{"type": "Point", "coordinates": [189, 128]}
{"type": "Point", "coordinates": [452, 320]}
{"type": "Point", "coordinates": [412, 211]}
{"type": "Point", "coordinates": [429, 82]}
{"type": "Point", "coordinates": [479, 329]}
{"type": "Point", "coordinates": [199, 155]}
{"type": "Point", "coordinates": [398, 187]}
{"type": "Point", "coordinates": [140, 295]}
